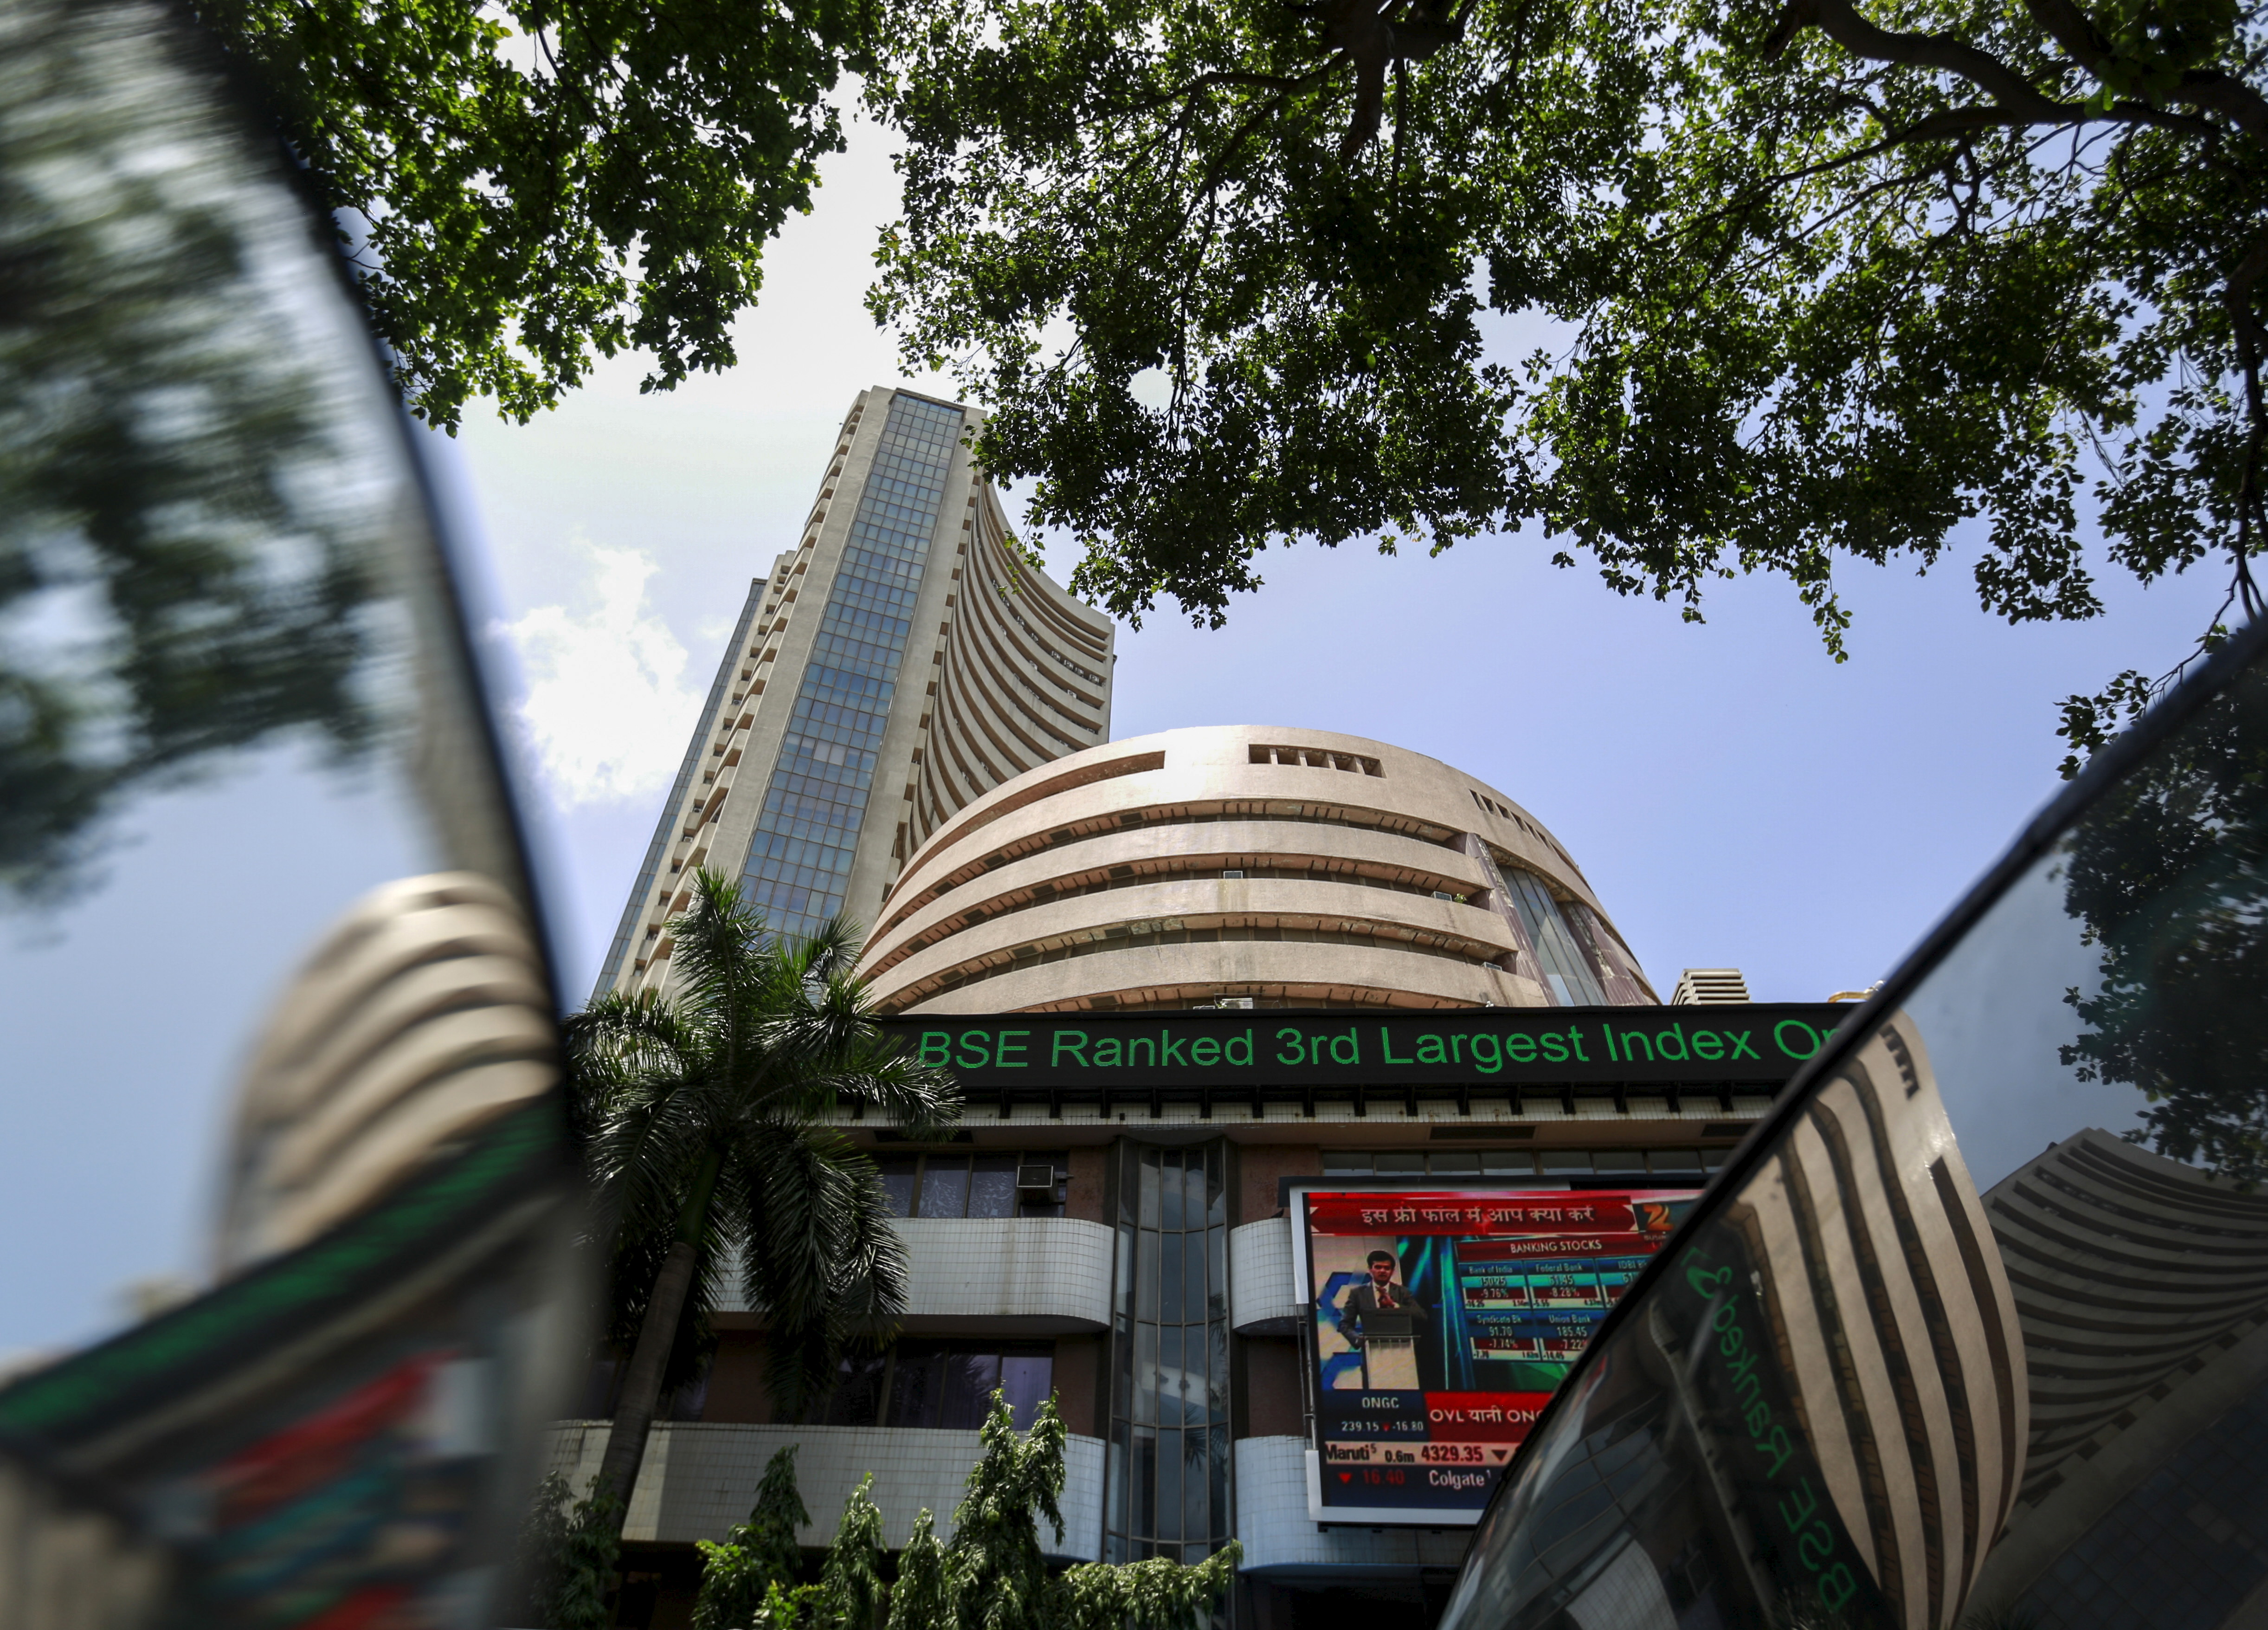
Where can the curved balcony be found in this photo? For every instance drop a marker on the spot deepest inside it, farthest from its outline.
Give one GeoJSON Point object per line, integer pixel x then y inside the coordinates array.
{"type": "Point", "coordinates": [1279, 1538]}
{"type": "Point", "coordinates": [699, 1478]}
{"type": "Point", "coordinates": [1262, 1299]}
{"type": "Point", "coordinates": [1001, 1276]}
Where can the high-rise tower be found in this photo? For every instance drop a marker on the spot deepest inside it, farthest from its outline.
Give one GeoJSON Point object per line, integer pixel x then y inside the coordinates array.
{"type": "Point", "coordinates": [903, 659]}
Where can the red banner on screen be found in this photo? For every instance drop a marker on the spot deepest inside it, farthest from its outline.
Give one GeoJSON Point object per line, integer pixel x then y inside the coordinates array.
{"type": "Point", "coordinates": [1480, 1217]}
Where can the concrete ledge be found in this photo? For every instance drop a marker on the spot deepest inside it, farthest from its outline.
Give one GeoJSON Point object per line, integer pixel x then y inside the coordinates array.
{"type": "Point", "coordinates": [1000, 1276]}
{"type": "Point", "coordinates": [1261, 1300]}
{"type": "Point", "coordinates": [1271, 1520]}
{"type": "Point", "coordinates": [699, 1478]}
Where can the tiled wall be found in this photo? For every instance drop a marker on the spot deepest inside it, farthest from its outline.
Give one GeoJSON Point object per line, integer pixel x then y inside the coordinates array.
{"type": "Point", "coordinates": [1271, 1520]}
{"type": "Point", "coordinates": [1053, 1272]}
{"type": "Point", "coordinates": [1260, 1276]}
{"type": "Point", "coordinates": [700, 1478]}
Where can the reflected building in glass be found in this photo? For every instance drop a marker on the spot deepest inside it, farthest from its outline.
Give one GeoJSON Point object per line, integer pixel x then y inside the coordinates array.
{"type": "Point", "coordinates": [2142, 1285]}
{"type": "Point", "coordinates": [1898, 1372]}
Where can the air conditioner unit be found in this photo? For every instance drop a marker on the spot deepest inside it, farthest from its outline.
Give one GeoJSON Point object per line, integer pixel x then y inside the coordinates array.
{"type": "Point", "coordinates": [1039, 1180]}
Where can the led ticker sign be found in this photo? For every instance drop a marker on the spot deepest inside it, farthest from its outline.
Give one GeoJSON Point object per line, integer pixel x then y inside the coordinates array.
{"type": "Point", "coordinates": [1502, 1046]}
{"type": "Point", "coordinates": [1440, 1322]}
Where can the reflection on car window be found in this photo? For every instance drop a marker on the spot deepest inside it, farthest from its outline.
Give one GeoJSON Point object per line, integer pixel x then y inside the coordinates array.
{"type": "Point", "coordinates": [1871, 1385]}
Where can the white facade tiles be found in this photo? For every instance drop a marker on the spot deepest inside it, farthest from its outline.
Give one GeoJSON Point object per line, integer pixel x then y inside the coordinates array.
{"type": "Point", "coordinates": [700, 1477]}
{"type": "Point", "coordinates": [1279, 1536]}
{"type": "Point", "coordinates": [1006, 1276]}
{"type": "Point", "coordinates": [1261, 1298]}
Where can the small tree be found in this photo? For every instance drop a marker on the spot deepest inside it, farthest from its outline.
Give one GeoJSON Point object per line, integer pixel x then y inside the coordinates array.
{"type": "Point", "coordinates": [567, 1558]}
{"type": "Point", "coordinates": [850, 1587]}
{"type": "Point", "coordinates": [992, 1575]}
{"type": "Point", "coordinates": [923, 1598]}
{"type": "Point", "coordinates": [759, 1559]}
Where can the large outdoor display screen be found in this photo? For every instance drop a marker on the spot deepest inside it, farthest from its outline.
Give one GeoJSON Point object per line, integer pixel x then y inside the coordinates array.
{"type": "Point", "coordinates": [1442, 1320]}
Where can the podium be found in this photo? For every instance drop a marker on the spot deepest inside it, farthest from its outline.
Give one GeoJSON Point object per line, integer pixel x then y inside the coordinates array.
{"type": "Point", "coordinates": [1389, 1353]}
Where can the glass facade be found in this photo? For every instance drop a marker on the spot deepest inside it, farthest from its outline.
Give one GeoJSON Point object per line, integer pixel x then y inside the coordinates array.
{"type": "Point", "coordinates": [1565, 968]}
{"type": "Point", "coordinates": [1166, 1479]}
{"type": "Point", "coordinates": [798, 864]}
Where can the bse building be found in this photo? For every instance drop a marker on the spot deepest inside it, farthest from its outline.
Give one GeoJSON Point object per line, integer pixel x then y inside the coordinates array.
{"type": "Point", "coordinates": [1195, 984]}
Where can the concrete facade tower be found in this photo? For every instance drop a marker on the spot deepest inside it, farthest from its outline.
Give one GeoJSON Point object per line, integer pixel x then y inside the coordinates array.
{"type": "Point", "coordinates": [901, 660]}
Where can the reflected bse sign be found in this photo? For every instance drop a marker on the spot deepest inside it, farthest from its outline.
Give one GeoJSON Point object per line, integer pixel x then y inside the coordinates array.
{"type": "Point", "coordinates": [1476, 1046]}
{"type": "Point", "coordinates": [1439, 1324]}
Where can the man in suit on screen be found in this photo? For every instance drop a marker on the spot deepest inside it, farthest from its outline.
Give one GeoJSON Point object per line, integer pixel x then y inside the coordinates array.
{"type": "Point", "coordinates": [1381, 1296]}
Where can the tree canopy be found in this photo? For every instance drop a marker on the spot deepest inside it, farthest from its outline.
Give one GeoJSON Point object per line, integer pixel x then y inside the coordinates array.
{"type": "Point", "coordinates": [1796, 284]}
{"type": "Point", "coordinates": [544, 185]}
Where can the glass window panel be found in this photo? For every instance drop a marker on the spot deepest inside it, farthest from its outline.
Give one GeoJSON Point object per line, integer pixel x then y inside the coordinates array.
{"type": "Point", "coordinates": [944, 1186]}
{"type": "Point", "coordinates": [1217, 1285]}
{"type": "Point", "coordinates": [1193, 1274]}
{"type": "Point", "coordinates": [1146, 1480]}
{"type": "Point", "coordinates": [917, 1384]}
{"type": "Point", "coordinates": [1714, 1160]}
{"type": "Point", "coordinates": [1196, 1198]}
{"type": "Point", "coordinates": [1455, 1163]}
{"type": "Point", "coordinates": [1216, 1476]}
{"type": "Point", "coordinates": [1567, 969]}
{"type": "Point", "coordinates": [1618, 1162]}
{"type": "Point", "coordinates": [1167, 1511]}
{"type": "Point", "coordinates": [1026, 1380]}
{"type": "Point", "coordinates": [1170, 1189]}
{"type": "Point", "coordinates": [856, 1399]}
{"type": "Point", "coordinates": [1169, 1376]}
{"type": "Point", "coordinates": [1125, 1282]}
{"type": "Point", "coordinates": [969, 1378]}
{"type": "Point", "coordinates": [897, 1172]}
{"type": "Point", "coordinates": [1145, 1374]}
{"type": "Point", "coordinates": [1147, 1186]}
{"type": "Point", "coordinates": [1398, 1162]}
{"type": "Point", "coordinates": [1195, 1523]}
{"type": "Point", "coordinates": [1216, 1398]}
{"type": "Point", "coordinates": [1346, 1163]}
{"type": "Point", "coordinates": [1216, 1215]}
{"type": "Point", "coordinates": [1682, 1161]}
{"type": "Point", "coordinates": [1559, 1161]}
{"type": "Point", "coordinates": [992, 1186]}
{"type": "Point", "coordinates": [1116, 1468]}
{"type": "Point", "coordinates": [1169, 1247]}
{"type": "Point", "coordinates": [1508, 1162]}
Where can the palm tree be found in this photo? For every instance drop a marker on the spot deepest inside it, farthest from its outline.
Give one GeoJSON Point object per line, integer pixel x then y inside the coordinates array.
{"type": "Point", "coordinates": [702, 1120]}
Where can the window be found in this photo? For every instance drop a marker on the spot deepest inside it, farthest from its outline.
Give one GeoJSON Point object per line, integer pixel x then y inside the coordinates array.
{"type": "Point", "coordinates": [1564, 968]}
{"type": "Point", "coordinates": [1315, 758]}
{"type": "Point", "coordinates": [1166, 1469]}
{"type": "Point", "coordinates": [945, 1384]}
{"type": "Point", "coordinates": [974, 1185]}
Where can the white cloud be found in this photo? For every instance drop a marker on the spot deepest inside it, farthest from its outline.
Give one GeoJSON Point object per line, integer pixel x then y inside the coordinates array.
{"type": "Point", "coordinates": [608, 705]}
